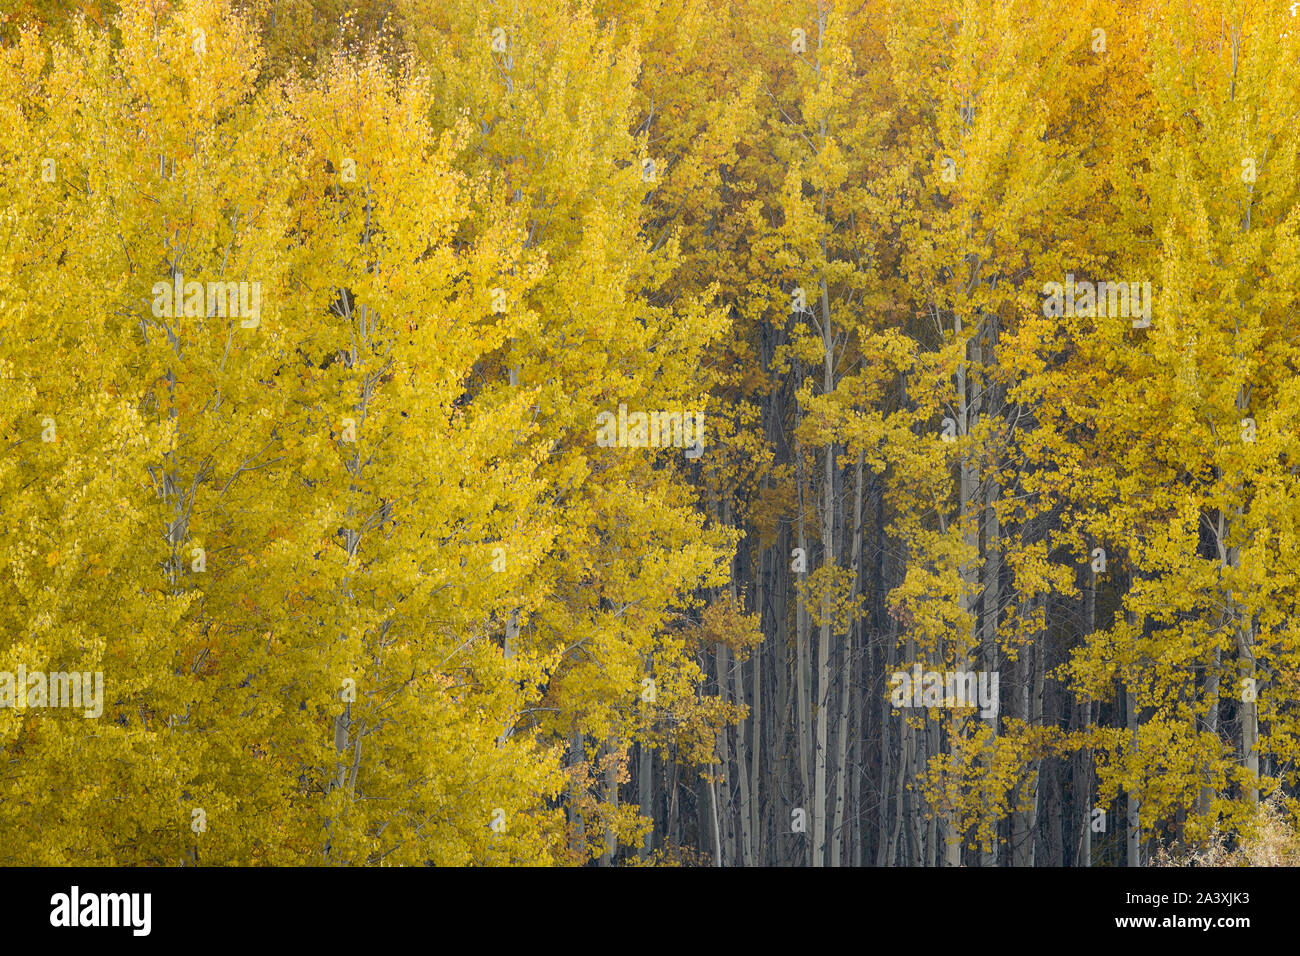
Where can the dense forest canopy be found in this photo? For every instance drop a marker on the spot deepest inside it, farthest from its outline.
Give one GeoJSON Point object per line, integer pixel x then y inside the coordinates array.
{"type": "Point", "coordinates": [759, 432]}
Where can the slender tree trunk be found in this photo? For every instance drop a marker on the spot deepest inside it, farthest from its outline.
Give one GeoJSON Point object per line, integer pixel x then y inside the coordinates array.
{"type": "Point", "coordinates": [967, 418]}
{"type": "Point", "coordinates": [742, 774]}
{"type": "Point", "coordinates": [713, 816]}
{"type": "Point", "coordinates": [646, 795]}
{"type": "Point", "coordinates": [846, 693]}
{"type": "Point", "coordinates": [1133, 830]}
{"type": "Point", "coordinates": [823, 676]}
{"type": "Point", "coordinates": [723, 807]}
{"type": "Point", "coordinates": [756, 724]}
{"type": "Point", "coordinates": [1205, 803]}
{"type": "Point", "coordinates": [611, 797]}
{"type": "Point", "coordinates": [1244, 636]}
{"type": "Point", "coordinates": [803, 665]}
{"type": "Point", "coordinates": [992, 570]}
{"type": "Point", "coordinates": [1086, 758]}
{"type": "Point", "coordinates": [577, 755]}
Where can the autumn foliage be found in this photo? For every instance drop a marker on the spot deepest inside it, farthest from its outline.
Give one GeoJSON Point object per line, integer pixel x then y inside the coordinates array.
{"type": "Point", "coordinates": [308, 311]}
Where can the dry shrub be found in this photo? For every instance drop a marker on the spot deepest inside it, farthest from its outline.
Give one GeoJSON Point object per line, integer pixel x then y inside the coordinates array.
{"type": "Point", "coordinates": [1272, 839]}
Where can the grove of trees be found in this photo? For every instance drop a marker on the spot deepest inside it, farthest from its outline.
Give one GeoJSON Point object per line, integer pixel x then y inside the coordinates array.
{"type": "Point", "coordinates": [309, 310]}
